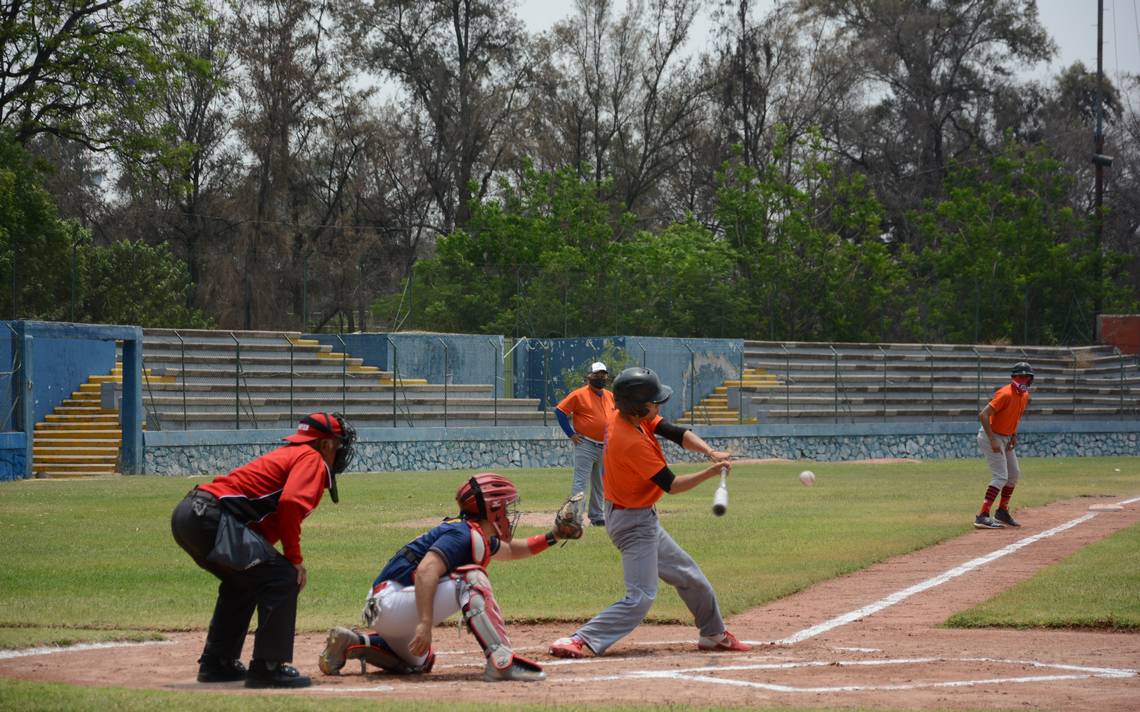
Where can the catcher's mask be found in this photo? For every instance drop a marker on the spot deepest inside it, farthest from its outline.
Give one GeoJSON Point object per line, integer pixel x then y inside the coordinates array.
{"type": "Point", "coordinates": [492, 497]}
{"type": "Point", "coordinates": [326, 426]}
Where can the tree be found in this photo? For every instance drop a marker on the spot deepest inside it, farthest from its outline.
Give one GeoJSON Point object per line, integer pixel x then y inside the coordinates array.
{"type": "Point", "coordinates": [90, 70]}
{"type": "Point", "coordinates": [134, 283]}
{"type": "Point", "coordinates": [810, 258]}
{"type": "Point", "coordinates": [463, 65]}
{"type": "Point", "coordinates": [1007, 257]}
{"type": "Point", "coordinates": [934, 68]}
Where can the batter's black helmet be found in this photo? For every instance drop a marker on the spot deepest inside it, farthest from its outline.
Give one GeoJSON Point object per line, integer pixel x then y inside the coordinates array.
{"type": "Point", "coordinates": [1022, 368]}
{"type": "Point", "coordinates": [640, 385]}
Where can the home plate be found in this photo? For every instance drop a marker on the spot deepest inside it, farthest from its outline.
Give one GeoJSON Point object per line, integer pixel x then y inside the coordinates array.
{"type": "Point", "coordinates": [1105, 508]}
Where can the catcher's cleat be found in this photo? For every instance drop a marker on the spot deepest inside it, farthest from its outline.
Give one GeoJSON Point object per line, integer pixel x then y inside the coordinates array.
{"type": "Point", "coordinates": [984, 522]}
{"type": "Point", "coordinates": [213, 669]}
{"type": "Point", "coordinates": [1003, 516]}
{"type": "Point", "coordinates": [726, 643]}
{"type": "Point", "coordinates": [262, 674]}
{"type": "Point", "coordinates": [597, 522]}
{"type": "Point", "coordinates": [520, 670]}
{"type": "Point", "coordinates": [335, 653]}
{"type": "Point", "coordinates": [572, 647]}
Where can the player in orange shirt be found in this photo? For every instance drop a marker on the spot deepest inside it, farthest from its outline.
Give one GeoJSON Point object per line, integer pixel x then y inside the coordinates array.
{"type": "Point", "coordinates": [997, 439]}
{"type": "Point", "coordinates": [635, 478]}
{"type": "Point", "coordinates": [589, 407]}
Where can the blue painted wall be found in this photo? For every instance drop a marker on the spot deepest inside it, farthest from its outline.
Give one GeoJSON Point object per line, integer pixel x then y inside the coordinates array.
{"type": "Point", "coordinates": [8, 379]}
{"type": "Point", "coordinates": [61, 362]}
{"type": "Point", "coordinates": [469, 358]}
{"type": "Point", "coordinates": [12, 459]}
{"type": "Point", "coordinates": [549, 368]}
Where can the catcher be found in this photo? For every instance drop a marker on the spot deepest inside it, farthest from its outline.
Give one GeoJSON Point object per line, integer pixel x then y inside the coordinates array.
{"type": "Point", "coordinates": [444, 571]}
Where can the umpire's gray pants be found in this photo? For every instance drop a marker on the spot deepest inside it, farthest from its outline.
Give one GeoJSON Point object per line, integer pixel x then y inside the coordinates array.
{"type": "Point", "coordinates": [649, 553]}
{"type": "Point", "coordinates": [1003, 465]}
{"type": "Point", "coordinates": [588, 473]}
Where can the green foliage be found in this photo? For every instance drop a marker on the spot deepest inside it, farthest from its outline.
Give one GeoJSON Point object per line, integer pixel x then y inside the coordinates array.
{"type": "Point", "coordinates": [47, 262]}
{"type": "Point", "coordinates": [1005, 256]}
{"type": "Point", "coordinates": [135, 283]}
{"type": "Point", "coordinates": [94, 72]}
{"type": "Point", "coordinates": [35, 245]}
{"type": "Point", "coordinates": [810, 258]}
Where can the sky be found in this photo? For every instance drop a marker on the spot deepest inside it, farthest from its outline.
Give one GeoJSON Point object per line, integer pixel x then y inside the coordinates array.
{"type": "Point", "coordinates": [1071, 23]}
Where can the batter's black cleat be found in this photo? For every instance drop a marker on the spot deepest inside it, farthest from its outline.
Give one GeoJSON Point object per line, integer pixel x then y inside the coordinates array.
{"type": "Point", "coordinates": [1003, 516]}
{"type": "Point", "coordinates": [262, 674]}
{"type": "Point", "coordinates": [983, 521]}
{"type": "Point", "coordinates": [215, 669]}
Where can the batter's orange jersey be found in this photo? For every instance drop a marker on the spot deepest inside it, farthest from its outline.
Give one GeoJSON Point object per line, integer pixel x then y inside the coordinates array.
{"type": "Point", "coordinates": [589, 411]}
{"type": "Point", "coordinates": [1007, 405]}
{"type": "Point", "coordinates": [632, 456]}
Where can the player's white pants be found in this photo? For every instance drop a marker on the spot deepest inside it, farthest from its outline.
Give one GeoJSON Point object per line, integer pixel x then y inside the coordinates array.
{"type": "Point", "coordinates": [1003, 465]}
{"type": "Point", "coordinates": [397, 621]}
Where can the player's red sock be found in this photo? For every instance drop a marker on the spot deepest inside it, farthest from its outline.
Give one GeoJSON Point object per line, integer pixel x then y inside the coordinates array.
{"type": "Point", "coordinates": [1006, 493]}
{"type": "Point", "coordinates": [991, 495]}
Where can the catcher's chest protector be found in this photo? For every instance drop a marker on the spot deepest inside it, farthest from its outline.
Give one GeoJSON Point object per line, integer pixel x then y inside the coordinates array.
{"type": "Point", "coordinates": [480, 548]}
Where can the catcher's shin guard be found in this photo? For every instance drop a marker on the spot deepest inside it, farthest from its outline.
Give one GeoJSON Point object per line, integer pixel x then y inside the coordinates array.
{"type": "Point", "coordinates": [376, 652]}
{"type": "Point", "coordinates": [485, 621]}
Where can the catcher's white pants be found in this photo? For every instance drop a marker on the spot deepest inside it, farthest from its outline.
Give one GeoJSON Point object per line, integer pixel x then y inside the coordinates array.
{"type": "Point", "coordinates": [649, 553]}
{"type": "Point", "coordinates": [397, 621]}
{"type": "Point", "coordinates": [588, 473]}
{"type": "Point", "coordinates": [1003, 465]}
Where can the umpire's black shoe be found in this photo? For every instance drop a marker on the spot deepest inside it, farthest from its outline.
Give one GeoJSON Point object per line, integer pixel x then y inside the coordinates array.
{"type": "Point", "coordinates": [1003, 516]}
{"type": "Point", "coordinates": [263, 674]}
{"type": "Point", "coordinates": [214, 669]}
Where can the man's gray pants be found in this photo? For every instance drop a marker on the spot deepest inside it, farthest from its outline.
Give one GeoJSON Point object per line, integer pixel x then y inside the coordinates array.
{"type": "Point", "coordinates": [1004, 469]}
{"type": "Point", "coordinates": [649, 553]}
{"type": "Point", "coordinates": [588, 473]}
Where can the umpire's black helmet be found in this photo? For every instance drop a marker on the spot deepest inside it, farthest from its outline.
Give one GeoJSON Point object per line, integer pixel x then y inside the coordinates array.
{"type": "Point", "coordinates": [640, 385]}
{"type": "Point", "coordinates": [1022, 368]}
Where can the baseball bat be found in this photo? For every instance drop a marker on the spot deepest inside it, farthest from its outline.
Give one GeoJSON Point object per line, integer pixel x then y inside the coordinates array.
{"type": "Point", "coordinates": [720, 499]}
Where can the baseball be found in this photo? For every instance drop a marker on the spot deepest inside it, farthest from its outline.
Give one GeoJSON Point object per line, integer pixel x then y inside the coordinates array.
{"type": "Point", "coordinates": [808, 478]}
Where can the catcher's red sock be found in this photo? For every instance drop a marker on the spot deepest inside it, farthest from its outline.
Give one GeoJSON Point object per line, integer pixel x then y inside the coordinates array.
{"type": "Point", "coordinates": [991, 495]}
{"type": "Point", "coordinates": [1006, 493]}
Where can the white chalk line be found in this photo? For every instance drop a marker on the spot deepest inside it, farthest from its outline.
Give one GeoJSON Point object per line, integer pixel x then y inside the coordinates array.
{"type": "Point", "coordinates": [1077, 672]}
{"type": "Point", "coordinates": [52, 649]}
{"type": "Point", "coordinates": [1129, 501]}
{"type": "Point", "coordinates": [930, 583]}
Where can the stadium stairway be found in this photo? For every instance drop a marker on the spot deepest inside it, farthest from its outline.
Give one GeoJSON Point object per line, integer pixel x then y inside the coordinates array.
{"type": "Point", "coordinates": [222, 380]}
{"type": "Point", "coordinates": [715, 408]}
{"type": "Point", "coordinates": [80, 438]}
{"type": "Point", "coordinates": [846, 382]}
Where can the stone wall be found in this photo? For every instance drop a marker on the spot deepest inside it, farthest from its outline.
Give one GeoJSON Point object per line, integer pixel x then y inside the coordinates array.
{"type": "Point", "coordinates": [418, 449]}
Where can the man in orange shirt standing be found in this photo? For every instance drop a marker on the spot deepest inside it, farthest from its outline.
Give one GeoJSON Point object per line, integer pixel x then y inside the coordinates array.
{"type": "Point", "coordinates": [636, 477]}
{"type": "Point", "coordinates": [997, 439]}
{"type": "Point", "coordinates": [588, 406]}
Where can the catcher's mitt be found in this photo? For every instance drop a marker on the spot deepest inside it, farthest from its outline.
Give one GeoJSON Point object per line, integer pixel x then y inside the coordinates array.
{"type": "Point", "coordinates": [568, 519]}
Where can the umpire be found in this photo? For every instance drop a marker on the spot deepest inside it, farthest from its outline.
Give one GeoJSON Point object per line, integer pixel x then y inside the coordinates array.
{"type": "Point", "coordinates": [228, 527]}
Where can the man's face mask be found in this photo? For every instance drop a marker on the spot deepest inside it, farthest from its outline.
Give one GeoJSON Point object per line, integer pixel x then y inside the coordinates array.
{"type": "Point", "coordinates": [598, 382]}
{"type": "Point", "coordinates": [1021, 383]}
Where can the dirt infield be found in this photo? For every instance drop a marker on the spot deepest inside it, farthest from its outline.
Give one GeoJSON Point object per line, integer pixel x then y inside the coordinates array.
{"type": "Point", "coordinates": [871, 639]}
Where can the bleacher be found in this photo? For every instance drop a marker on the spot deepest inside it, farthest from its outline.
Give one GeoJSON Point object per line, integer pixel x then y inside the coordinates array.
{"type": "Point", "coordinates": [255, 379]}
{"type": "Point", "coordinates": [815, 382]}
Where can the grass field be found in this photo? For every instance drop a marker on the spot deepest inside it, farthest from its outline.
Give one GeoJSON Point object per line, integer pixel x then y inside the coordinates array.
{"type": "Point", "coordinates": [94, 560]}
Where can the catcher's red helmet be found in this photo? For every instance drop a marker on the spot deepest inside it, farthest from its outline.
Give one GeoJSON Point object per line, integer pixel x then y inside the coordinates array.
{"type": "Point", "coordinates": [492, 497]}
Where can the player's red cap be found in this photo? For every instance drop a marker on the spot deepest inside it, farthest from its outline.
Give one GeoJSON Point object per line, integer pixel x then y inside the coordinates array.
{"type": "Point", "coordinates": [316, 426]}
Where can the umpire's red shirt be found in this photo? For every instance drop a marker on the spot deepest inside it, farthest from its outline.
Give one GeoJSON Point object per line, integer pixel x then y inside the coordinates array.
{"type": "Point", "coordinates": [275, 492]}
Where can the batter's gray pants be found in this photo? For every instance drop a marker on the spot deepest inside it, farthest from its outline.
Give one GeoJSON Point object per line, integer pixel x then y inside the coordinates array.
{"type": "Point", "coordinates": [588, 473]}
{"type": "Point", "coordinates": [649, 553]}
{"type": "Point", "coordinates": [1003, 465]}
